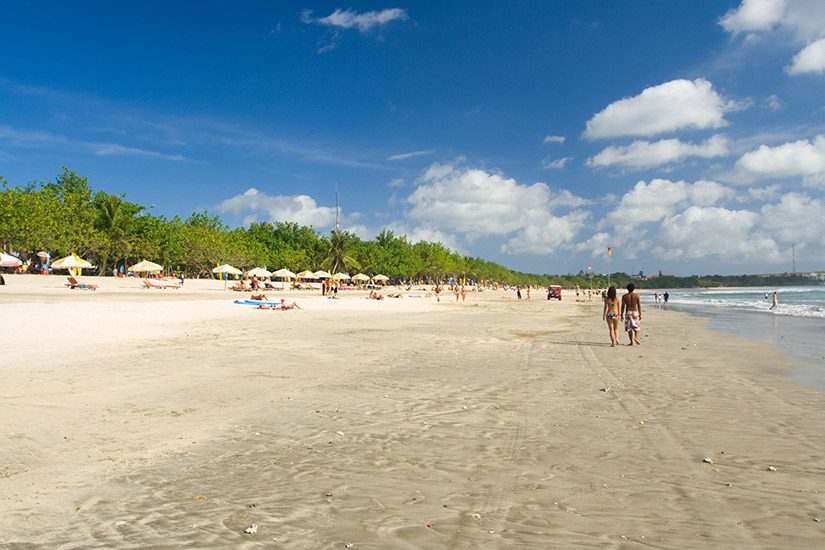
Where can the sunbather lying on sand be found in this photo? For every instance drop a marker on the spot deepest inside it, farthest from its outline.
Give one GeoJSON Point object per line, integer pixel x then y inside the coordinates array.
{"type": "Point", "coordinates": [283, 306]}
{"type": "Point", "coordinates": [261, 297]}
{"type": "Point", "coordinates": [375, 296]}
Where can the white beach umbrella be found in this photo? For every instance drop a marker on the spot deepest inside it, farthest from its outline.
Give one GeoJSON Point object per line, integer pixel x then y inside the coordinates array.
{"type": "Point", "coordinates": [7, 260]}
{"type": "Point", "coordinates": [306, 274]}
{"type": "Point", "coordinates": [259, 272]}
{"type": "Point", "coordinates": [361, 277]}
{"type": "Point", "coordinates": [340, 276]}
{"type": "Point", "coordinates": [382, 278]}
{"type": "Point", "coordinates": [284, 274]}
{"type": "Point", "coordinates": [146, 266]}
{"type": "Point", "coordinates": [228, 269]}
{"type": "Point", "coordinates": [322, 275]}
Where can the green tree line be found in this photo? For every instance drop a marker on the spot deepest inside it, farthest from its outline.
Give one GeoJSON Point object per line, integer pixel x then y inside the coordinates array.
{"type": "Point", "coordinates": [66, 216]}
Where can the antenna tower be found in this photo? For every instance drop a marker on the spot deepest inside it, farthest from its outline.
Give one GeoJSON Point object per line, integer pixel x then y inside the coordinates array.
{"type": "Point", "coordinates": [337, 210]}
{"type": "Point", "coordinates": [793, 256]}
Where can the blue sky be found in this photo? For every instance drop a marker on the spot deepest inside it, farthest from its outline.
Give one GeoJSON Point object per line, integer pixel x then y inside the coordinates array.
{"type": "Point", "coordinates": [689, 136]}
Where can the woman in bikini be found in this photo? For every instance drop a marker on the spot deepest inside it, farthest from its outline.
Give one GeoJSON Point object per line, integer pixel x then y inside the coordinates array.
{"type": "Point", "coordinates": [610, 313]}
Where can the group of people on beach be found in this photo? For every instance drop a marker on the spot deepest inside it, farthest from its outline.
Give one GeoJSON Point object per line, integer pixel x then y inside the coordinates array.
{"type": "Point", "coordinates": [629, 308]}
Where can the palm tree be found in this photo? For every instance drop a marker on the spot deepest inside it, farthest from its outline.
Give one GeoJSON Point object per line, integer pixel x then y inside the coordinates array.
{"type": "Point", "coordinates": [340, 255]}
{"type": "Point", "coordinates": [114, 223]}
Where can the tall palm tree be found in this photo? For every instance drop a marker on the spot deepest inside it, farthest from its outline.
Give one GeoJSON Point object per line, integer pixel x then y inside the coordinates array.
{"type": "Point", "coordinates": [341, 253]}
{"type": "Point", "coordinates": [114, 223]}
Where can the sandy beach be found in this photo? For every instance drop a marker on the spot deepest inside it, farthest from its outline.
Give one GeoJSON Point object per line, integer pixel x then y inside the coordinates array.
{"type": "Point", "coordinates": [137, 418]}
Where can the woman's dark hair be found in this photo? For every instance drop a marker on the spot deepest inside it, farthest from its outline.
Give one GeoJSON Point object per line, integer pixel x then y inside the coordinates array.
{"type": "Point", "coordinates": [611, 292]}
{"type": "Point", "coordinates": [631, 287]}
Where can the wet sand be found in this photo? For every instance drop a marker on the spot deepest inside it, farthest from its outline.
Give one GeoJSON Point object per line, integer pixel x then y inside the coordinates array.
{"type": "Point", "coordinates": [136, 418]}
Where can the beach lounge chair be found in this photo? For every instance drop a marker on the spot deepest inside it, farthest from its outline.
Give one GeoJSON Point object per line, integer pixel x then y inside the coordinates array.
{"type": "Point", "coordinates": [74, 283]}
{"type": "Point", "coordinates": [159, 284]}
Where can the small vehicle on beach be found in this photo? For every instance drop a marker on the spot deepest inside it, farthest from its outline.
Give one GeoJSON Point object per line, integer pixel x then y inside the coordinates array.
{"type": "Point", "coordinates": [554, 291]}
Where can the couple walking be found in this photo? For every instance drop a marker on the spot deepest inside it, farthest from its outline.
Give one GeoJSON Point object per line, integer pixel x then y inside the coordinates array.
{"type": "Point", "coordinates": [629, 309]}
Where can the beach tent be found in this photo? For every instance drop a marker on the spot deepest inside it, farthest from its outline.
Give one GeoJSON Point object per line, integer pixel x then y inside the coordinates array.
{"type": "Point", "coordinates": [7, 260]}
{"type": "Point", "coordinates": [322, 275]}
{"type": "Point", "coordinates": [341, 277]}
{"type": "Point", "coordinates": [227, 269]}
{"type": "Point", "coordinates": [146, 267]}
{"type": "Point", "coordinates": [259, 272]}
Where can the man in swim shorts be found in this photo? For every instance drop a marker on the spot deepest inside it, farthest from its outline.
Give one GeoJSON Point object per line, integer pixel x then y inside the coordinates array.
{"type": "Point", "coordinates": [632, 314]}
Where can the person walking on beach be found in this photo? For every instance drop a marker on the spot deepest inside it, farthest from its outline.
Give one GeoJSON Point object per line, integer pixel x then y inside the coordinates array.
{"type": "Point", "coordinates": [437, 292]}
{"type": "Point", "coordinates": [463, 294]}
{"type": "Point", "coordinates": [775, 300]}
{"type": "Point", "coordinates": [632, 314]}
{"type": "Point", "coordinates": [528, 292]}
{"type": "Point", "coordinates": [456, 291]}
{"type": "Point", "coordinates": [666, 297]}
{"type": "Point", "coordinates": [610, 313]}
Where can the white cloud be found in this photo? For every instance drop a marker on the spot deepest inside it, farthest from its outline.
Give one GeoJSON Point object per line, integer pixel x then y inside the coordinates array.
{"type": "Point", "coordinates": [644, 154]}
{"type": "Point", "coordinates": [396, 183]}
{"type": "Point", "coordinates": [713, 232]}
{"type": "Point", "coordinates": [667, 107]}
{"type": "Point", "coordinates": [811, 59]}
{"type": "Point", "coordinates": [770, 192]}
{"type": "Point", "coordinates": [351, 19]}
{"type": "Point", "coordinates": [803, 20]}
{"type": "Point", "coordinates": [113, 149]}
{"type": "Point", "coordinates": [555, 164]}
{"type": "Point", "coordinates": [301, 209]}
{"type": "Point", "coordinates": [412, 154]}
{"type": "Point", "coordinates": [753, 15]}
{"type": "Point", "coordinates": [797, 218]}
{"type": "Point", "coordinates": [426, 233]}
{"type": "Point", "coordinates": [554, 139]}
{"type": "Point", "coordinates": [476, 203]}
{"type": "Point", "coordinates": [774, 103]}
{"type": "Point", "coordinates": [799, 158]}
{"type": "Point", "coordinates": [659, 199]}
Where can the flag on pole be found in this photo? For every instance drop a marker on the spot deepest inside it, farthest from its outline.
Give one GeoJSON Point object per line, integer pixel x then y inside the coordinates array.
{"type": "Point", "coordinates": [589, 266]}
{"type": "Point", "coordinates": [609, 250]}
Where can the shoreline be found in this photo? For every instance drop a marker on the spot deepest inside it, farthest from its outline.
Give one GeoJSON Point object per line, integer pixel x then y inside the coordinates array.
{"type": "Point", "coordinates": [173, 418]}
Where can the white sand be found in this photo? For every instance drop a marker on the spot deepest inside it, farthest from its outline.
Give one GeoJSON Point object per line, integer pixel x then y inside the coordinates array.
{"type": "Point", "coordinates": [135, 418]}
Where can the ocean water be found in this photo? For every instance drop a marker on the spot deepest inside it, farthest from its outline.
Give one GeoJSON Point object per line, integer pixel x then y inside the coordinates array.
{"type": "Point", "coordinates": [796, 327]}
{"type": "Point", "coordinates": [803, 301]}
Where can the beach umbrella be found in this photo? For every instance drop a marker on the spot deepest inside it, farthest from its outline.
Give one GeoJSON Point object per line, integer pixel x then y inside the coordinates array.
{"type": "Point", "coordinates": [42, 255]}
{"type": "Point", "coordinates": [382, 278]}
{"type": "Point", "coordinates": [306, 274]}
{"type": "Point", "coordinates": [322, 275]}
{"type": "Point", "coordinates": [7, 260]}
{"type": "Point", "coordinates": [259, 272]}
{"type": "Point", "coordinates": [341, 277]}
{"type": "Point", "coordinates": [71, 262]}
{"type": "Point", "coordinates": [361, 277]}
{"type": "Point", "coordinates": [146, 267]}
{"type": "Point", "coordinates": [284, 274]}
{"type": "Point", "coordinates": [227, 269]}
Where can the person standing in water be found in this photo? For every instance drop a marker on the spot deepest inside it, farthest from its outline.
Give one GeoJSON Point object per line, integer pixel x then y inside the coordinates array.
{"type": "Point", "coordinates": [610, 313]}
{"type": "Point", "coordinates": [632, 314]}
{"type": "Point", "coordinates": [775, 300]}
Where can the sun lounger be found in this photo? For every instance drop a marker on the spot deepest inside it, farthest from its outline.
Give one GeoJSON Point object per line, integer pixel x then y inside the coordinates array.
{"type": "Point", "coordinates": [74, 283]}
{"type": "Point", "coordinates": [162, 284]}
